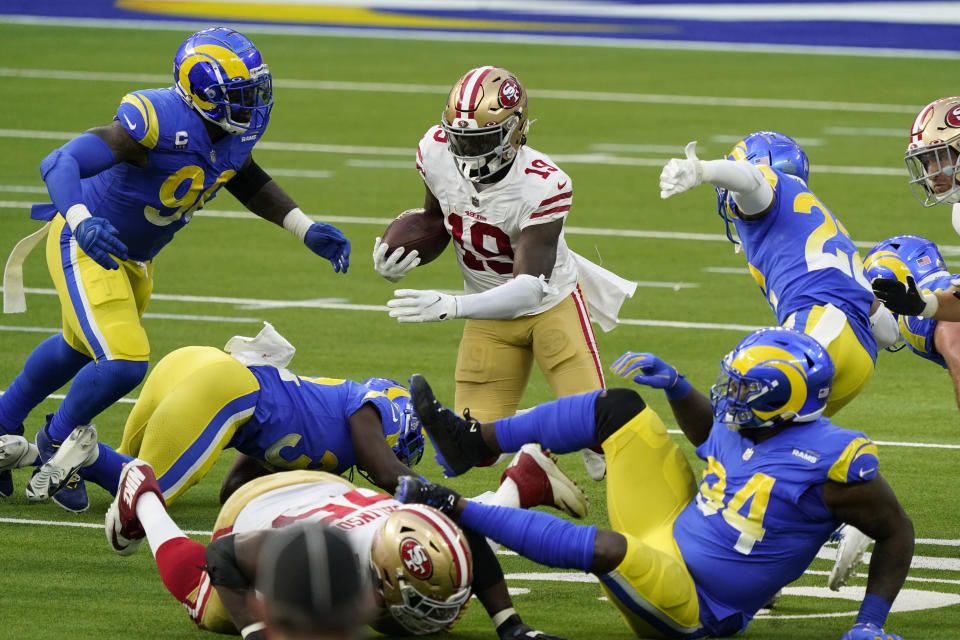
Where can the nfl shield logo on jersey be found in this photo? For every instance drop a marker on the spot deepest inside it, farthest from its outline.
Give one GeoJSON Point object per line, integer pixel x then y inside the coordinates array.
{"type": "Point", "coordinates": [213, 155]}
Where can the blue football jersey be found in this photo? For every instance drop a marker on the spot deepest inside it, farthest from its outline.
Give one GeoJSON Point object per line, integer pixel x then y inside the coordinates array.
{"type": "Point", "coordinates": [801, 255]}
{"type": "Point", "coordinates": [184, 171]}
{"type": "Point", "coordinates": [918, 331]}
{"type": "Point", "coordinates": [759, 517]}
{"type": "Point", "coordinates": [304, 423]}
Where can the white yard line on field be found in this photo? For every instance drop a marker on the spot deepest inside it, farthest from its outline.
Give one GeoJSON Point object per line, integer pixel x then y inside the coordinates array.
{"type": "Point", "coordinates": [162, 80]}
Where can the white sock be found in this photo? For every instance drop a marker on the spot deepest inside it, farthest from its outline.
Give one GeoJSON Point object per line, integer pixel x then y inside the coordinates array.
{"type": "Point", "coordinates": [158, 524]}
{"type": "Point", "coordinates": [508, 495]}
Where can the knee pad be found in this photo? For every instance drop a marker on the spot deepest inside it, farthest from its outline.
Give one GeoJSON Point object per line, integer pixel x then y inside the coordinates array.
{"type": "Point", "coordinates": [615, 408]}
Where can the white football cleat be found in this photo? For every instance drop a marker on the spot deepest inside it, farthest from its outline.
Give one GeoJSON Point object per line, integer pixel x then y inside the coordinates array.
{"type": "Point", "coordinates": [80, 449]}
{"type": "Point", "coordinates": [541, 482]}
{"type": "Point", "coordinates": [596, 463]}
{"type": "Point", "coordinates": [121, 525]}
{"type": "Point", "coordinates": [16, 452]}
{"type": "Point", "coordinates": [853, 544]}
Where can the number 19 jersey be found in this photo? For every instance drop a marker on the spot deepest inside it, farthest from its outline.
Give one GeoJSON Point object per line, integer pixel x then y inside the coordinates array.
{"type": "Point", "coordinates": [486, 224]}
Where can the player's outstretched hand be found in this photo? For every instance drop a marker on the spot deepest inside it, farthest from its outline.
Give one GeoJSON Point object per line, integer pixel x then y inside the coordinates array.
{"type": "Point", "coordinates": [98, 239]}
{"type": "Point", "coordinates": [523, 631]}
{"type": "Point", "coordinates": [392, 267]}
{"type": "Point", "coordinates": [904, 299]}
{"type": "Point", "coordinates": [867, 631]}
{"type": "Point", "coordinates": [681, 175]}
{"type": "Point", "coordinates": [414, 305]}
{"type": "Point", "coordinates": [328, 242]}
{"type": "Point", "coordinates": [645, 368]}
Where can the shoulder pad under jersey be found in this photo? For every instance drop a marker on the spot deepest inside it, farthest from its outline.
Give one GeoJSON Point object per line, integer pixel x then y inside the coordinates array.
{"type": "Point", "coordinates": [858, 462]}
{"type": "Point", "coordinates": [153, 115]}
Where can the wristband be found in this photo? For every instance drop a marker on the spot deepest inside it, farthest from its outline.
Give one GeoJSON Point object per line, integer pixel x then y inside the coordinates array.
{"type": "Point", "coordinates": [932, 305]}
{"type": "Point", "coordinates": [873, 610]}
{"type": "Point", "coordinates": [77, 214]}
{"type": "Point", "coordinates": [297, 223]}
{"type": "Point", "coordinates": [250, 629]}
{"type": "Point", "coordinates": [678, 389]}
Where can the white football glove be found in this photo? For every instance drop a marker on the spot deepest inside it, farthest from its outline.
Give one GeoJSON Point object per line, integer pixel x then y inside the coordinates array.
{"type": "Point", "coordinates": [392, 267]}
{"type": "Point", "coordinates": [415, 305]}
{"type": "Point", "coordinates": [681, 175]}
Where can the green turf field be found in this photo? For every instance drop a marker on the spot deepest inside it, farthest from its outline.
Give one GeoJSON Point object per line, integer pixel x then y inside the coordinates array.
{"type": "Point", "coordinates": [610, 117]}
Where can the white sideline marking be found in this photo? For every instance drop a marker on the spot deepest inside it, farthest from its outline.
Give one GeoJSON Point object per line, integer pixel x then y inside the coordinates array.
{"type": "Point", "coordinates": [865, 131]}
{"type": "Point", "coordinates": [459, 37]}
{"type": "Point", "coordinates": [550, 94]}
{"type": "Point", "coordinates": [82, 525]}
{"type": "Point", "coordinates": [736, 270]}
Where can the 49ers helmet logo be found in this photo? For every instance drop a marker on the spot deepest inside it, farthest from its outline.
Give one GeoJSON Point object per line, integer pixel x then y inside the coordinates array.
{"type": "Point", "coordinates": [510, 93]}
{"type": "Point", "coordinates": [953, 117]}
{"type": "Point", "coordinates": [416, 559]}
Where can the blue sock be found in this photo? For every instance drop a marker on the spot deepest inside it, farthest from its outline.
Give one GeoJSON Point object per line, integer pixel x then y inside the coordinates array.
{"type": "Point", "coordinates": [539, 536]}
{"type": "Point", "coordinates": [106, 470]}
{"type": "Point", "coordinates": [48, 367]}
{"type": "Point", "coordinates": [96, 387]}
{"type": "Point", "coordinates": [564, 425]}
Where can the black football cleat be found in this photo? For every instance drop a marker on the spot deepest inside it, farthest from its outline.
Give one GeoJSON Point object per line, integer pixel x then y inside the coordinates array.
{"type": "Point", "coordinates": [458, 441]}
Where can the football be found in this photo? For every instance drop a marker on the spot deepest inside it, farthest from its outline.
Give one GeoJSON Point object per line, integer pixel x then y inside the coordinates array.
{"type": "Point", "coordinates": [414, 229]}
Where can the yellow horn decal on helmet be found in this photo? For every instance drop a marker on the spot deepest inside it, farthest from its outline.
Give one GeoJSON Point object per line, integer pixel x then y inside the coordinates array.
{"type": "Point", "coordinates": [782, 360]}
{"type": "Point", "coordinates": [221, 56]}
{"type": "Point", "coordinates": [891, 261]}
{"type": "Point", "coordinates": [739, 152]}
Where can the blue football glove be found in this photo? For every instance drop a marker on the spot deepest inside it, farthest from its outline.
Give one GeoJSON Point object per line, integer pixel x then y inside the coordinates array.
{"type": "Point", "coordinates": [868, 631]}
{"type": "Point", "coordinates": [645, 368]}
{"type": "Point", "coordinates": [328, 242]}
{"type": "Point", "coordinates": [98, 239]}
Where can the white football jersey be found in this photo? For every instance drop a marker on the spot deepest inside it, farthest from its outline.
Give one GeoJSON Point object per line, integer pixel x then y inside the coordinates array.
{"type": "Point", "coordinates": [359, 513]}
{"type": "Point", "coordinates": [485, 225]}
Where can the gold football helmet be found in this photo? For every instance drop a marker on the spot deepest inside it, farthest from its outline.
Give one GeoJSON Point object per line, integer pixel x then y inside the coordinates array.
{"type": "Point", "coordinates": [933, 154]}
{"type": "Point", "coordinates": [423, 566]}
{"type": "Point", "coordinates": [485, 121]}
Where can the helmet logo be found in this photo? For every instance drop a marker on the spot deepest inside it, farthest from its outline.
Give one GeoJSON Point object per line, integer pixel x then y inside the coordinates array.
{"type": "Point", "coordinates": [510, 93]}
{"type": "Point", "coordinates": [462, 124]}
{"type": "Point", "coordinates": [416, 559]}
{"type": "Point", "coordinates": [953, 117]}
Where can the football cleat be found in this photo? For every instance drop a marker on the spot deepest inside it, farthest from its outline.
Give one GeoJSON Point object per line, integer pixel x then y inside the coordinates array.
{"type": "Point", "coordinates": [853, 544]}
{"type": "Point", "coordinates": [415, 490]}
{"type": "Point", "coordinates": [56, 478]}
{"type": "Point", "coordinates": [122, 526]}
{"type": "Point", "coordinates": [541, 482]}
{"type": "Point", "coordinates": [15, 452]}
{"type": "Point", "coordinates": [595, 463]}
{"type": "Point", "coordinates": [525, 632]}
{"type": "Point", "coordinates": [457, 440]}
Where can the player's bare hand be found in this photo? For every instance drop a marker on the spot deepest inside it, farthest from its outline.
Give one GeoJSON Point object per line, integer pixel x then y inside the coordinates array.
{"type": "Point", "coordinates": [391, 266]}
{"type": "Point", "coordinates": [681, 175]}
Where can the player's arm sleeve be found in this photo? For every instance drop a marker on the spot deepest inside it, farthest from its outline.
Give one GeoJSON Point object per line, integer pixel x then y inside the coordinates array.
{"type": "Point", "coordinates": [521, 295]}
{"type": "Point", "coordinates": [745, 181]}
{"type": "Point", "coordinates": [84, 156]}
{"type": "Point", "coordinates": [231, 565]}
{"type": "Point", "coordinates": [248, 182]}
{"type": "Point", "coordinates": [884, 325]}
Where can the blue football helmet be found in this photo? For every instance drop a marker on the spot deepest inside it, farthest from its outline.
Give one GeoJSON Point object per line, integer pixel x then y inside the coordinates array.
{"type": "Point", "coordinates": [773, 376]}
{"type": "Point", "coordinates": [768, 148]}
{"type": "Point", "coordinates": [407, 442]}
{"type": "Point", "coordinates": [906, 255]}
{"type": "Point", "coordinates": [220, 73]}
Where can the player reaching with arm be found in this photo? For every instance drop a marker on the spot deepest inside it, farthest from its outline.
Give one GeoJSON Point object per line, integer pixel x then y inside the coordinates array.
{"type": "Point", "coordinates": [766, 444]}
{"type": "Point", "coordinates": [504, 204]}
{"type": "Point", "coordinates": [120, 192]}
{"type": "Point", "coordinates": [797, 251]}
{"type": "Point", "coordinates": [902, 257]}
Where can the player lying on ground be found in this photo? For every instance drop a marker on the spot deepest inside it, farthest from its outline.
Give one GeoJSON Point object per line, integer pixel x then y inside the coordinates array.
{"type": "Point", "coordinates": [119, 193]}
{"type": "Point", "coordinates": [505, 205]}
{"type": "Point", "coordinates": [681, 562]}
{"type": "Point", "coordinates": [422, 563]}
{"type": "Point", "coordinates": [906, 256]}
{"type": "Point", "coordinates": [198, 401]}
